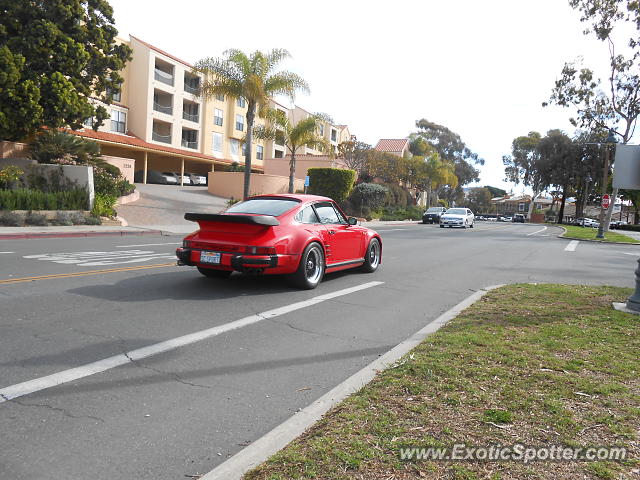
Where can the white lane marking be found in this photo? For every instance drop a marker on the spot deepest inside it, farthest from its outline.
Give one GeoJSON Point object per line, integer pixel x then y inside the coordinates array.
{"type": "Point", "coordinates": [6, 252]}
{"type": "Point", "coordinates": [392, 229]}
{"type": "Point", "coordinates": [90, 259]}
{"type": "Point", "coordinates": [537, 231]}
{"type": "Point", "coordinates": [572, 246]}
{"type": "Point", "coordinates": [35, 385]}
{"type": "Point", "coordinates": [149, 244]}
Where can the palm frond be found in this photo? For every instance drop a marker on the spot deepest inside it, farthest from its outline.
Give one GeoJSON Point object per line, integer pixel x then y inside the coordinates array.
{"type": "Point", "coordinates": [285, 83]}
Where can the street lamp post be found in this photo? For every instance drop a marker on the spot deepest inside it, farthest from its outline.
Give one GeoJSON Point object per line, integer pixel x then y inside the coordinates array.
{"type": "Point", "coordinates": [611, 139]}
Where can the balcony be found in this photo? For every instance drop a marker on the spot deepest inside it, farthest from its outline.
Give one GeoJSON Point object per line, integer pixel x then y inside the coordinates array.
{"type": "Point", "coordinates": [189, 143]}
{"type": "Point", "coordinates": [168, 109]}
{"type": "Point", "coordinates": [161, 138]}
{"type": "Point", "coordinates": [164, 77]}
{"type": "Point", "coordinates": [192, 117]}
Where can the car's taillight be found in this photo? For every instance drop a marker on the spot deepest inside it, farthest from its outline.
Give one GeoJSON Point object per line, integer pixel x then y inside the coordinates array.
{"type": "Point", "coordinates": [260, 250]}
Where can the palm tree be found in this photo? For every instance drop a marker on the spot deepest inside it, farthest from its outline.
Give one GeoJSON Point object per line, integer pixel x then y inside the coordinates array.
{"type": "Point", "coordinates": [252, 77]}
{"type": "Point", "coordinates": [293, 137]}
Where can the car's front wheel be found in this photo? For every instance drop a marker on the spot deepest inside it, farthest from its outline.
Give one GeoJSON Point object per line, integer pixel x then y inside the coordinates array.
{"type": "Point", "coordinates": [311, 268]}
{"type": "Point", "coordinates": [372, 257]}
{"type": "Point", "coordinates": [213, 273]}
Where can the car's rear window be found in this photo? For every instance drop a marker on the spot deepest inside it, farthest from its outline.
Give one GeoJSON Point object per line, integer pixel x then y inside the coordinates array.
{"type": "Point", "coordinates": [434, 210]}
{"type": "Point", "coordinates": [457, 211]}
{"type": "Point", "coordinates": [264, 206]}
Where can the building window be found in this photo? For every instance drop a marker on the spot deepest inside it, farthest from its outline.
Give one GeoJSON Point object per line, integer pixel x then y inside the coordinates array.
{"type": "Point", "coordinates": [88, 122]}
{"type": "Point", "coordinates": [217, 142]}
{"type": "Point", "coordinates": [241, 102]}
{"type": "Point", "coordinates": [259, 152]}
{"type": "Point", "coordinates": [278, 154]}
{"type": "Point", "coordinates": [220, 97]}
{"type": "Point", "coordinates": [218, 116]}
{"type": "Point", "coordinates": [334, 135]}
{"type": "Point", "coordinates": [118, 121]}
{"type": "Point", "coordinates": [521, 207]}
{"type": "Point", "coordinates": [239, 123]}
{"type": "Point", "coordinates": [235, 147]}
{"type": "Point", "coordinates": [321, 130]}
{"type": "Point", "coordinates": [190, 138]}
{"type": "Point", "coordinates": [114, 96]}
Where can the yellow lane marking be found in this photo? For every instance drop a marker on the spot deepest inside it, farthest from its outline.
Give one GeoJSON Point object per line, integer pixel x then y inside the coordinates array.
{"type": "Point", "coordinates": [82, 274]}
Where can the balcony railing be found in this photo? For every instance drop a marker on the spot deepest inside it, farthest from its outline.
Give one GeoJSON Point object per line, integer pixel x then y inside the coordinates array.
{"type": "Point", "coordinates": [161, 138]}
{"type": "Point", "coordinates": [162, 108]}
{"type": "Point", "coordinates": [193, 89]}
{"type": "Point", "coordinates": [163, 76]}
{"type": "Point", "coordinates": [189, 143]}
{"type": "Point", "coordinates": [192, 117]}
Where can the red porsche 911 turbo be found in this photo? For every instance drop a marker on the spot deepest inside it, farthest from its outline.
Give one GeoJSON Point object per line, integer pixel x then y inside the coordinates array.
{"type": "Point", "coordinates": [304, 236]}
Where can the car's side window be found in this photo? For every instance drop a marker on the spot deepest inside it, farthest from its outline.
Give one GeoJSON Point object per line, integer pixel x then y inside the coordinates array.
{"type": "Point", "coordinates": [307, 215]}
{"type": "Point", "coordinates": [327, 214]}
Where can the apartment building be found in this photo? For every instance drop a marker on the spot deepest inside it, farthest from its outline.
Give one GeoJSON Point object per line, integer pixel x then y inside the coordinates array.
{"type": "Point", "coordinates": [158, 120]}
{"type": "Point", "coordinates": [396, 146]}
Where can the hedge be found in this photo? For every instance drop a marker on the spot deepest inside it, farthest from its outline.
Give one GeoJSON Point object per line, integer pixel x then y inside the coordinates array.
{"type": "Point", "coordinates": [27, 199]}
{"type": "Point", "coordinates": [631, 228]}
{"type": "Point", "coordinates": [335, 183]}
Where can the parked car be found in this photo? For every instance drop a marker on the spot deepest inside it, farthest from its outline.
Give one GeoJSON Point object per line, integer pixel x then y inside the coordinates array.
{"type": "Point", "coordinates": [457, 217]}
{"type": "Point", "coordinates": [518, 218]}
{"type": "Point", "coordinates": [433, 214]}
{"type": "Point", "coordinates": [617, 224]}
{"type": "Point", "coordinates": [154, 176]}
{"type": "Point", "coordinates": [186, 180]}
{"type": "Point", "coordinates": [303, 236]}
{"type": "Point", "coordinates": [589, 222]}
{"type": "Point", "coordinates": [196, 179]}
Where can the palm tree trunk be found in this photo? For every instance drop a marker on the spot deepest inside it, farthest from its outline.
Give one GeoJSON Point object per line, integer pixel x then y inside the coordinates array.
{"type": "Point", "coordinates": [292, 170]}
{"type": "Point", "coordinates": [251, 113]}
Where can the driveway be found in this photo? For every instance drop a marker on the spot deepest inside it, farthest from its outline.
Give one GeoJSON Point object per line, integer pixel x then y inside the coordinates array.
{"type": "Point", "coordinates": [162, 207]}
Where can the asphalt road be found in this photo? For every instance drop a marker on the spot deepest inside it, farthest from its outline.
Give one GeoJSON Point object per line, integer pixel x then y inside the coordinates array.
{"type": "Point", "coordinates": [184, 411]}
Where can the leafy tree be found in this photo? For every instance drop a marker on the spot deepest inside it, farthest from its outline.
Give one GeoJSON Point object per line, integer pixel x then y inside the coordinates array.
{"type": "Point", "coordinates": [252, 77]}
{"type": "Point", "coordinates": [305, 132]}
{"type": "Point", "coordinates": [54, 56]}
{"type": "Point", "coordinates": [523, 165]}
{"type": "Point", "coordinates": [354, 154]}
{"type": "Point", "coordinates": [479, 200]}
{"type": "Point", "coordinates": [451, 148]}
{"type": "Point", "coordinates": [53, 146]}
{"type": "Point", "coordinates": [557, 164]}
{"type": "Point", "coordinates": [495, 191]}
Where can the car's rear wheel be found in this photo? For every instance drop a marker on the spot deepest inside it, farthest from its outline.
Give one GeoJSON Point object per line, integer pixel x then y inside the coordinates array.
{"type": "Point", "coordinates": [213, 273]}
{"type": "Point", "coordinates": [372, 257]}
{"type": "Point", "coordinates": [311, 268]}
{"type": "Point", "coordinates": [441, 226]}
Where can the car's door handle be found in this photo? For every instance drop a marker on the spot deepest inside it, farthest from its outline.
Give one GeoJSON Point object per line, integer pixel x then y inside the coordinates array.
{"type": "Point", "coordinates": [332, 232]}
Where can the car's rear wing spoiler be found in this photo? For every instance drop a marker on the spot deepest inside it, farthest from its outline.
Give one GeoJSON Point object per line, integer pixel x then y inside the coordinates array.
{"type": "Point", "coordinates": [266, 220]}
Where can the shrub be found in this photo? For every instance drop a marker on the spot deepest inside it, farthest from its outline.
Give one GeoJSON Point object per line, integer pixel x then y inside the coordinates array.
{"type": "Point", "coordinates": [409, 213]}
{"type": "Point", "coordinates": [103, 205]}
{"type": "Point", "coordinates": [335, 183]}
{"type": "Point", "coordinates": [78, 218]}
{"type": "Point", "coordinates": [11, 219]}
{"type": "Point", "coordinates": [369, 196]}
{"type": "Point", "coordinates": [232, 201]}
{"type": "Point", "coordinates": [397, 196]}
{"type": "Point", "coordinates": [93, 221]}
{"type": "Point", "coordinates": [9, 176]}
{"type": "Point", "coordinates": [63, 218]}
{"type": "Point", "coordinates": [36, 219]}
{"type": "Point", "coordinates": [29, 199]}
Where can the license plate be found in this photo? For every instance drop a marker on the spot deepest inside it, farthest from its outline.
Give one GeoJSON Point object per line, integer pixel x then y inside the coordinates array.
{"type": "Point", "coordinates": [209, 257]}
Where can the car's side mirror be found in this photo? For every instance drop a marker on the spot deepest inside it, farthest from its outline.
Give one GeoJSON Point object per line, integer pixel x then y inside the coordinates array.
{"type": "Point", "coordinates": [352, 221]}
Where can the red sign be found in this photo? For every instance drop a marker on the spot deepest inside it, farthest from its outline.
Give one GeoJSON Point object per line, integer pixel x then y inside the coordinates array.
{"type": "Point", "coordinates": [605, 201]}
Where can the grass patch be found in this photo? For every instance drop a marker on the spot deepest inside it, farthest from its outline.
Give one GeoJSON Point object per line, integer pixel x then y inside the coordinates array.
{"type": "Point", "coordinates": [586, 233]}
{"type": "Point", "coordinates": [536, 364]}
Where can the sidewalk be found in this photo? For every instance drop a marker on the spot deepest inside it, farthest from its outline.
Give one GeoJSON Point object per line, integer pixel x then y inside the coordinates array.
{"type": "Point", "coordinates": [16, 233]}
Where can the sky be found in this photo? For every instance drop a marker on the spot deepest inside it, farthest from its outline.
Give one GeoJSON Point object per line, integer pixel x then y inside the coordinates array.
{"type": "Point", "coordinates": [480, 68]}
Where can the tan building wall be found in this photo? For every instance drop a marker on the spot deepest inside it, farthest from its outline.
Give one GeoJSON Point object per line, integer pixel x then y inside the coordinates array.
{"type": "Point", "coordinates": [125, 165]}
{"type": "Point", "coordinates": [231, 184]}
{"type": "Point", "coordinates": [280, 166]}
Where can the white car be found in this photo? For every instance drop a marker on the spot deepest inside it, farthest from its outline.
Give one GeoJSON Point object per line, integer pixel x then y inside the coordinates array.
{"type": "Point", "coordinates": [457, 217]}
{"type": "Point", "coordinates": [196, 179]}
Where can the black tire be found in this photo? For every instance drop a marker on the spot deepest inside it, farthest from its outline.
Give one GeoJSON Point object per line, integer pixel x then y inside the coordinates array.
{"type": "Point", "coordinates": [311, 268]}
{"type": "Point", "coordinates": [441, 226]}
{"type": "Point", "coordinates": [472, 223]}
{"type": "Point", "coordinates": [373, 256]}
{"type": "Point", "coordinates": [213, 273]}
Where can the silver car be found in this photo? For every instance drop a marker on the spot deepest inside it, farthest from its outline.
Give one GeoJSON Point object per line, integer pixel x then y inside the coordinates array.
{"type": "Point", "coordinates": [457, 217]}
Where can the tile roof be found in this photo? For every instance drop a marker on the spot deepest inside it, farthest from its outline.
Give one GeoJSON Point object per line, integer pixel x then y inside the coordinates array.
{"type": "Point", "coordinates": [392, 145]}
{"type": "Point", "coordinates": [132, 140]}
{"type": "Point", "coordinates": [148, 45]}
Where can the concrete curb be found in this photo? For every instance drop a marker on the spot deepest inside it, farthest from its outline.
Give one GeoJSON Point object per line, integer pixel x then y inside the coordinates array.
{"type": "Point", "coordinates": [269, 444]}
{"type": "Point", "coordinates": [592, 241]}
{"type": "Point", "coordinates": [109, 233]}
